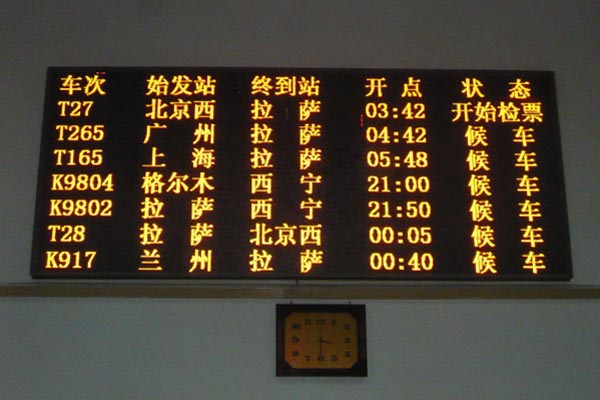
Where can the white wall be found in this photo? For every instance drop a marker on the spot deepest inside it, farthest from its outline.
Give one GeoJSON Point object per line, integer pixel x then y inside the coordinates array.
{"type": "Point", "coordinates": [204, 349]}
{"type": "Point", "coordinates": [54, 348]}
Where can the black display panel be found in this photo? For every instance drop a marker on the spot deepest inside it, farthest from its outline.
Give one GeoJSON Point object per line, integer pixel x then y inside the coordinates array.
{"type": "Point", "coordinates": [268, 173]}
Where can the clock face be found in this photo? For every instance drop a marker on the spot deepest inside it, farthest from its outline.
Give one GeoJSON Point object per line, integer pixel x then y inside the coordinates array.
{"type": "Point", "coordinates": [321, 340]}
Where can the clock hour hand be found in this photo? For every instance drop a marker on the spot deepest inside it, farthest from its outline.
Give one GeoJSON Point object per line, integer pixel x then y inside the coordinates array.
{"type": "Point", "coordinates": [321, 340]}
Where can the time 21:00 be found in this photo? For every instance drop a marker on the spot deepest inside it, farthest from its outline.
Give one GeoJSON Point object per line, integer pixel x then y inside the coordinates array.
{"type": "Point", "coordinates": [410, 184]}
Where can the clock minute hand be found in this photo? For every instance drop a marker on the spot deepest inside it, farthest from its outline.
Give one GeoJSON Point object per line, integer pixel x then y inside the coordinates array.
{"type": "Point", "coordinates": [320, 346]}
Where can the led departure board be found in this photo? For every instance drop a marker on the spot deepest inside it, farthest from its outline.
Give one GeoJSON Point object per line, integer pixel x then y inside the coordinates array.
{"type": "Point", "coordinates": [271, 173]}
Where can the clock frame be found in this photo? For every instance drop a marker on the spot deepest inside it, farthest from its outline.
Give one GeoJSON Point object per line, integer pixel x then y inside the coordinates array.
{"type": "Point", "coordinates": [321, 340]}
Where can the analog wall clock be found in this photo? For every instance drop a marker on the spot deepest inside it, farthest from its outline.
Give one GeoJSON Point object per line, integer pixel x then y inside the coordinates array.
{"type": "Point", "coordinates": [321, 340]}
